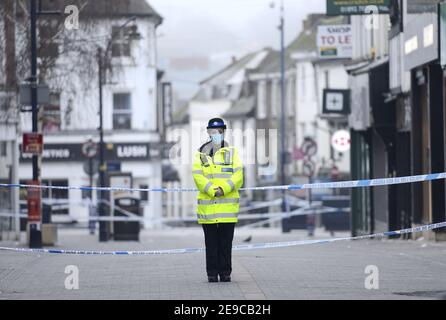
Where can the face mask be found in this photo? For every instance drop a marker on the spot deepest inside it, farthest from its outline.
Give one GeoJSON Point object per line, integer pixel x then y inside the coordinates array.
{"type": "Point", "coordinates": [217, 139]}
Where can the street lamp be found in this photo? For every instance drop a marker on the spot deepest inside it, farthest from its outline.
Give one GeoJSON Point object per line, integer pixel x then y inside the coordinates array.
{"type": "Point", "coordinates": [35, 9]}
{"type": "Point", "coordinates": [102, 56]}
{"type": "Point", "coordinates": [282, 103]}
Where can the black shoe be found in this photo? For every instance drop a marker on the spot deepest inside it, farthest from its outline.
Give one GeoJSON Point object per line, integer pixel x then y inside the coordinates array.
{"type": "Point", "coordinates": [225, 278]}
{"type": "Point", "coordinates": [212, 278]}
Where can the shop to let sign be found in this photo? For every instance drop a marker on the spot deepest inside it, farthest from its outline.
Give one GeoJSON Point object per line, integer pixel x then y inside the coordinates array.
{"type": "Point", "coordinates": [355, 7]}
{"type": "Point", "coordinates": [335, 41]}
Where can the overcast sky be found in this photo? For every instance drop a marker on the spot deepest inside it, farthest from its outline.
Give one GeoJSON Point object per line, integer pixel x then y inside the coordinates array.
{"type": "Point", "coordinates": [198, 37]}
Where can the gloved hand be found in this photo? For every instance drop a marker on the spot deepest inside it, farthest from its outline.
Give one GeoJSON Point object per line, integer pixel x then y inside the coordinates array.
{"type": "Point", "coordinates": [219, 192]}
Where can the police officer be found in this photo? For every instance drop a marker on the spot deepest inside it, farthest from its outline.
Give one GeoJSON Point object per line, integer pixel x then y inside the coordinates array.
{"type": "Point", "coordinates": [218, 174]}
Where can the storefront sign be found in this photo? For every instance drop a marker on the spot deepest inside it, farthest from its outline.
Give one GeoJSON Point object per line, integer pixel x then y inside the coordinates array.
{"type": "Point", "coordinates": [421, 6]}
{"type": "Point", "coordinates": [421, 41]}
{"type": "Point", "coordinates": [75, 152]}
{"type": "Point", "coordinates": [336, 101]}
{"type": "Point", "coordinates": [354, 7]}
{"type": "Point", "coordinates": [334, 41]}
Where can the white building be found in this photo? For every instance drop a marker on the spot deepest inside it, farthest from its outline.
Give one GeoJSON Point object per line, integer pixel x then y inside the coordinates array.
{"type": "Point", "coordinates": [129, 105]}
{"type": "Point", "coordinates": [313, 75]}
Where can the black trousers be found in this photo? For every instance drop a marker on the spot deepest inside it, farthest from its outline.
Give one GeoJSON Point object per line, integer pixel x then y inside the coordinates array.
{"type": "Point", "coordinates": [218, 239]}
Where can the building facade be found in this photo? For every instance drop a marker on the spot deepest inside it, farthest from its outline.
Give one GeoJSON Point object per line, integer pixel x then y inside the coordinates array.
{"type": "Point", "coordinates": [130, 114]}
{"type": "Point", "coordinates": [398, 119]}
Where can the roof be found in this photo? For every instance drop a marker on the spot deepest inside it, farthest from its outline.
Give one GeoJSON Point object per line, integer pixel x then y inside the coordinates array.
{"type": "Point", "coordinates": [228, 71]}
{"type": "Point", "coordinates": [107, 8]}
{"type": "Point", "coordinates": [367, 66]}
{"type": "Point", "coordinates": [227, 83]}
{"type": "Point", "coordinates": [242, 107]}
{"type": "Point", "coordinates": [306, 40]}
{"type": "Point", "coordinates": [271, 63]}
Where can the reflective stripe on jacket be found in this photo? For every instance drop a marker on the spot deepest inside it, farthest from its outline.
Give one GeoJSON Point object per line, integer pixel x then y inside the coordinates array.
{"type": "Point", "coordinates": [224, 170]}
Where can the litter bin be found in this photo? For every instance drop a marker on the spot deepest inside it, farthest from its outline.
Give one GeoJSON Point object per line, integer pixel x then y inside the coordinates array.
{"type": "Point", "coordinates": [49, 230]}
{"type": "Point", "coordinates": [338, 220]}
{"type": "Point", "coordinates": [126, 230]}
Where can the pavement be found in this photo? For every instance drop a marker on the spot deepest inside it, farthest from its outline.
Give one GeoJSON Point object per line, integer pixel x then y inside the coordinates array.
{"type": "Point", "coordinates": [407, 269]}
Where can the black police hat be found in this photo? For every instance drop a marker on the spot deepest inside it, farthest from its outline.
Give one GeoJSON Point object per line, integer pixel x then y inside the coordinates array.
{"type": "Point", "coordinates": [216, 123]}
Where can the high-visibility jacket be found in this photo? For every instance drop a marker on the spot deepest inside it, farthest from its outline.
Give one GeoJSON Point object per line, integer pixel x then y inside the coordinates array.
{"type": "Point", "coordinates": [225, 170]}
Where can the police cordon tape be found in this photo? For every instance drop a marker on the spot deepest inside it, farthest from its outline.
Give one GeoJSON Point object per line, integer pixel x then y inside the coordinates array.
{"type": "Point", "coordinates": [324, 185]}
{"type": "Point", "coordinates": [241, 247]}
{"type": "Point", "coordinates": [250, 216]}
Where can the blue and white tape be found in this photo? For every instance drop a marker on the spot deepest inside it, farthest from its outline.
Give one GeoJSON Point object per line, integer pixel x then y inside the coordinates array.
{"type": "Point", "coordinates": [325, 185]}
{"type": "Point", "coordinates": [249, 216]}
{"type": "Point", "coordinates": [241, 247]}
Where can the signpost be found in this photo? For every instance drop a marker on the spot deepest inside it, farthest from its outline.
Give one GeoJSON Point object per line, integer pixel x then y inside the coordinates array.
{"type": "Point", "coordinates": [340, 141]}
{"type": "Point", "coordinates": [357, 7]}
{"type": "Point", "coordinates": [336, 101]}
{"type": "Point", "coordinates": [32, 143]}
{"type": "Point", "coordinates": [90, 150]}
{"type": "Point", "coordinates": [34, 215]}
{"type": "Point", "coordinates": [335, 41]}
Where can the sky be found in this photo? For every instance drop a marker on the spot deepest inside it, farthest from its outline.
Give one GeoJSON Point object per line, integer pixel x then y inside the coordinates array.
{"type": "Point", "coordinates": [199, 37]}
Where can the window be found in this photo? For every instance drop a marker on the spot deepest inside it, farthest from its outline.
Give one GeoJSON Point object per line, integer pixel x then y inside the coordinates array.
{"type": "Point", "coordinates": [122, 111]}
{"type": "Point", "coordinates": [59, 195]}
{"type": "Point", "coordinates": [261, 100]}
{"type": "Point", "coordinates": [3, 149]}
{"type": "Point", "coordinates": [51, 114]}
{"type": "Point", "coordinates": [121, 43]}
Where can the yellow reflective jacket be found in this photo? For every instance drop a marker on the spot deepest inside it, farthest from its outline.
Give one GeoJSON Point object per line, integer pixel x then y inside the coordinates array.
{"type": "Point", "coordinates": [225, 170]}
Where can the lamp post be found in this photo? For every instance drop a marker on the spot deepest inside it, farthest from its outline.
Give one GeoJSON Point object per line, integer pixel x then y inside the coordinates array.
{"type": "Point", "coordinates": [35, 10]}
{"type": "Point", "coordinates": [282, 94]}
{"type": "Point", "coordinates": [35, 234]}
{"type": "Point", "coordinates": [103, 226]}
{"type": "Point", "coordinates": [285, 207]}
{"type": "Point", "coordinates": [102, 56]}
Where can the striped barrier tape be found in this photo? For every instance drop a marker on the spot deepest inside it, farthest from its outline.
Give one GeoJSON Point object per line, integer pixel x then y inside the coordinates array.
{"type": "Point", "coordinates": [324, 185]}
{"type": "Point", "coordinates": [249, 216]}
{"type": "Point", "coordinates": [266, 245]}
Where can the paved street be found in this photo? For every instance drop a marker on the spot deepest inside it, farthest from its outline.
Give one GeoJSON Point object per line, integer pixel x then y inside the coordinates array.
{"type": "Point", "coordinates": [407, 269]}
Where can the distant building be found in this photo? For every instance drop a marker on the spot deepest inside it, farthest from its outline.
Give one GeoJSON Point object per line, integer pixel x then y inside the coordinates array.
{"type": "Point", "coordinates": [398, 118]}
{"type": "Point", "coordinates": [130, 109]}
{"type": "Point", "coordinates": [313, 75]}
